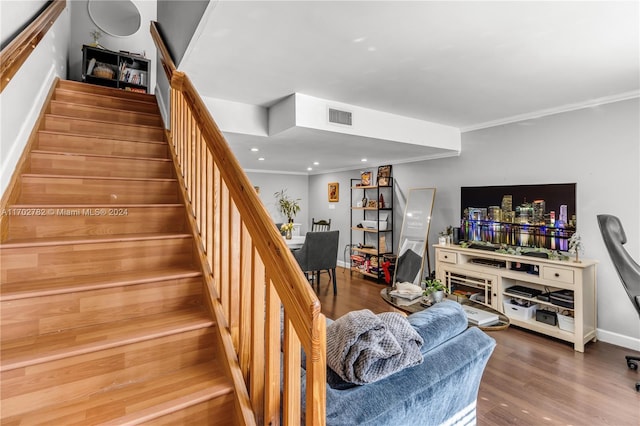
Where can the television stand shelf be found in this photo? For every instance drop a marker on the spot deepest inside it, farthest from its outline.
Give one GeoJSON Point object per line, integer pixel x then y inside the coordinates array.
{"type": "Point", "coordinates": [474, 271]}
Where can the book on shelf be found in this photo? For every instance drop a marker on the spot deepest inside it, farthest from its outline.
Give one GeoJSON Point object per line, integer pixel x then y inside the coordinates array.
{"type": "Point", "coordinates": [92, 64]}
{"type": "Point", "coordinates": [133, 76]}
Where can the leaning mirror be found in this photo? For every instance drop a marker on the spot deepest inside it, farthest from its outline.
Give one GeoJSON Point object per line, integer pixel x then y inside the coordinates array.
{"type": "Point", "coordinates": [414, 235]}
{"type": "Point", "coordinates": [119, 18]}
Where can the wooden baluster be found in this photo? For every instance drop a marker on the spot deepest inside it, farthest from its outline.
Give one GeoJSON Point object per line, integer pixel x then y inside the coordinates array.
{"type": "Point", "coordinates": [292, 388]}
{"type": "Point", "coordinates": [272, 380]}
{"type": "Point", "coordinates": [257, 360]}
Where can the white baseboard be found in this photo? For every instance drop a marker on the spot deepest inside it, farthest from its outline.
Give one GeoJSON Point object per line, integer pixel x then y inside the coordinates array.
{"type": "Point", "coordinates": [164, 107]}
{"type": "Point", "coordinates": [619, 340]}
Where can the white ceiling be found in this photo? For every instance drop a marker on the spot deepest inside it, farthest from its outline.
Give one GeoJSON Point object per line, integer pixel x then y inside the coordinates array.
{"type": "Point", "coordinates": [464, 64]}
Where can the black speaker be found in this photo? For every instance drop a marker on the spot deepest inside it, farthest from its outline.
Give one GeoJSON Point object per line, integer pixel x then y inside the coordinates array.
{"type": "Point", "coordinates": [456, 236]}
{"type": "Point", "coordinates": [547, 317]}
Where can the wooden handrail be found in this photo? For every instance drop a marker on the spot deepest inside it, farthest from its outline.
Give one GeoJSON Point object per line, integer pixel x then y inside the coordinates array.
{"type": "Point", "coordinates": [251, 274]}
{"type": "Point", "coordinates": [18, 50]}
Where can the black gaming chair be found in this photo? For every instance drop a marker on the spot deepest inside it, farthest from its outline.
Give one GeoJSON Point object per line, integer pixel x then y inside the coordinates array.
{"type": "Point", "coordinates": [627, 268]}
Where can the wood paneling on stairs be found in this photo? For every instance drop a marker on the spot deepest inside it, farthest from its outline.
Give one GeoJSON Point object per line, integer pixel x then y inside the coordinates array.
{"type": "Point", "coordinates": [102, 313]}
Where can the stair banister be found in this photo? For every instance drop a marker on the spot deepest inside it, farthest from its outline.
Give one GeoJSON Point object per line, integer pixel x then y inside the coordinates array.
{"type": "Point", "coordinates": [18, 50]}
{"type": "Point", "coordinates": [250, 273]}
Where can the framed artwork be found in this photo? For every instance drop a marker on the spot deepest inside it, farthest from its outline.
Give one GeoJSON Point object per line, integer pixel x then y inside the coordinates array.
{"type": "Point", "coordinates": [365, 178]}
{"type": "Point", "coordinates": [334, 192]}
{"type": "Point", "coordinates": [384, 173]}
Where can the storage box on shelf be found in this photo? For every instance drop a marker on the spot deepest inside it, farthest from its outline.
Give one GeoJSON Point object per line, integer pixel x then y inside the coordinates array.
{"type": "Point", "coordinates": [115, 69]}
{"type": "Point", "coordinates": [371, 236]}
{"type": "Point", "coordinates": [521, 312]}
{"type": "Point", "coordinates": [493, 278]}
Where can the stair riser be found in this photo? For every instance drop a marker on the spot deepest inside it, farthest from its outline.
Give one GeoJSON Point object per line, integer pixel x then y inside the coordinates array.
{"type": "Point", "coordinates": [105, 101]}
{"type": "Point", "coordinates": [215, 412]}
{"type": "Point", "coordinates": [75, 221]}
{"type": "Point", "coordinates": [49, 314]}
{"type": "Point", "coordinates": [50, 190]}
{"type": "Point", "coordinates": [104, 114]}
{"type": "Point", "coordinates": [100, 146]}
{"type": "Point", "coordinates": [79, 165]}
{"type": "Point", "coordinates": [38, 262]}
{"type": "Point", "coordinates": [79, 376]}
{"type": "Point", "coordinates": [98, 128]}
{"type": "Point", "coordinates": [106, 91]}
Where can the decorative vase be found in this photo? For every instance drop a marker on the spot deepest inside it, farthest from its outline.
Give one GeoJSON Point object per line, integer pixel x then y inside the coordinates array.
{"type": "Point", "coordinates": [438, 296]}
{"type": "Point", "coordinates": [288, 234]}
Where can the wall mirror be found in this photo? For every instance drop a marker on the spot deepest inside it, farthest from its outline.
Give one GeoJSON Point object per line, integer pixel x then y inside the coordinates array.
{"type": "Point", "coordinates": [118, 18]}
{"type": "Point", "coordinates": [414, 236]}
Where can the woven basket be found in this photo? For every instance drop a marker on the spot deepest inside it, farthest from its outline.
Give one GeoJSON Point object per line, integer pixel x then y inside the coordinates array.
{"type": "Point", "coordinates": [103, 72]}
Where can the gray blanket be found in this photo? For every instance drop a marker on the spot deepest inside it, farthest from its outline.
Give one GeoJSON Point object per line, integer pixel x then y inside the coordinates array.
{"type": "Point", "coordinates": [363, 347]}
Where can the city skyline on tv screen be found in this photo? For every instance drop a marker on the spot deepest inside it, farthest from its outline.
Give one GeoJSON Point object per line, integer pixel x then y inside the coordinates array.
{"type": "Point", "coordinates": [524, 215]}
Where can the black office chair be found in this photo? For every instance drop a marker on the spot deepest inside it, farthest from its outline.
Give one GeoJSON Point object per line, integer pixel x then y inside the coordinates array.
{"type": "Point", "coordinates": [319, 253]}
{"type": "Point", "coordinates": [627, 268]}
{"type": "Point", "coordinates": [321, 225]}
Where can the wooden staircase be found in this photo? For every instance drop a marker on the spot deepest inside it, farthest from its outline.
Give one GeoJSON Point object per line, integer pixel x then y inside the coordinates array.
{"type": "Point", "coordinates": [102, 313]}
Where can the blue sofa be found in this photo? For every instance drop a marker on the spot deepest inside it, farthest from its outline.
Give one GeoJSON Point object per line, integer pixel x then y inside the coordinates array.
{"type": "Point", "coordinates": [441, 391]}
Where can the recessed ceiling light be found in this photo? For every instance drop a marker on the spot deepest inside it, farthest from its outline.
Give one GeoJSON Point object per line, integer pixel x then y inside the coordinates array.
{"type": "Point", "coordinates": [371, 48]}
{"type": "Point", "coordinates": [315, 163]}
{"type": "Point", "coordinates": [254, 149]}
{"type": "Point", "coordinates": [364, 160]}
{"type": "Point", "coordinates": [309, 168]}
{"type": "Point", "coordinates": [359, 39]}
{"type": "Point", "coordinates": [261, 159]}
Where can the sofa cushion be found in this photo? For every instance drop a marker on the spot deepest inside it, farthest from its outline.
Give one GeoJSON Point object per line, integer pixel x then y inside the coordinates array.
{"type": "Point", "coordinates": [438, 323]}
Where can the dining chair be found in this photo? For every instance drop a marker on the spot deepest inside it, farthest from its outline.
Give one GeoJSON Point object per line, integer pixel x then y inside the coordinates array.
{"type": "Point", "coordinates": [320, 225]}
{"type": "Point", "coordinates": [319, 253]}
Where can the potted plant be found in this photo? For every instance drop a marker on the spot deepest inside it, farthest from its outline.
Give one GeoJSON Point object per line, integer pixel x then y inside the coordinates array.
{"type": "Point", "coordinates": [288, 206]}
{"type": "Point", "coordinates": [435, 289]}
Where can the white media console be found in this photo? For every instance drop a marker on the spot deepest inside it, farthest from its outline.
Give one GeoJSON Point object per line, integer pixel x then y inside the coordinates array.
{"type": "Point", "coordinates": [489, 275]}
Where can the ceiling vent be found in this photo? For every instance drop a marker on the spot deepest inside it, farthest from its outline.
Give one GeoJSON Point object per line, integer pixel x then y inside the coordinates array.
{"type": "Point", "coordinates": [340, 117]}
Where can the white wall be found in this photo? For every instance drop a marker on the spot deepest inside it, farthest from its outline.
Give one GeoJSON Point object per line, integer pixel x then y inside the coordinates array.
{"type": "Point", "coordinates": [139, 42]}
{"type": "Point", "coordinates": [598, 148]}
{"type": "Point", "coordinates": [15, 15]}
{"type": "Point", "coordinates": [297, 186]}
{"type": "Point", "coordinates": [23, 98]}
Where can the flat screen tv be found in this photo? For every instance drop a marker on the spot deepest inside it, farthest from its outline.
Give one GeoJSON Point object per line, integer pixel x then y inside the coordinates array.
{"type": "Point", "coordinates": [519, 215]}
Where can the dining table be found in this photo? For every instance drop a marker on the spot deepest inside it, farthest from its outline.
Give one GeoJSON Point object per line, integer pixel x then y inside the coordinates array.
{"type": "Point", "coordinates": [295, 242]}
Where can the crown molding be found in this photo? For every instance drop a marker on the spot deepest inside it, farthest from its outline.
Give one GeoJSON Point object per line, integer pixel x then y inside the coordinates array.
{"type": "Point", "coordinates": [551, 111]}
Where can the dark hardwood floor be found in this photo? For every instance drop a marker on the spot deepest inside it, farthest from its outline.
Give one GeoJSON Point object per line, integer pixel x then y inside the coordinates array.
{"type": "Point", "coordinates": [531, 379]}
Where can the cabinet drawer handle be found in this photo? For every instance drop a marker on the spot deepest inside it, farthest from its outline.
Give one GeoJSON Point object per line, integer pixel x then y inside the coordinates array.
{"type": "Point", "coordinates": [556, 274]}
{"type": "Point", "coordinates": [446, 257]}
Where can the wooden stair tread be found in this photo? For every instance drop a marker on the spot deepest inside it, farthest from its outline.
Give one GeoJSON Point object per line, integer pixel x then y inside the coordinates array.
{"type": "Point", "coordinates": [105, 109]}
{"type": "Point", "coordinates": [61, 285]}
{"type": "Point", "coordinates": [98, 97]}
{"type": "Point", "coordinates": [137, 402]}
{"type": "Point", "coordinates": [51, 176]}
{"type": "Point", "coordinates": [80, 87]}
{"type": "Point", "coordinates": [32, 350]}
{"type": "Point", "coordinates": [93, 205]}
{"type": "Point", "coordinates": [112, 123]}
{"type": "Point", "coordinates": [106, 138]}
{"type": "Point", "coordinates": [81, 154]}
{"type": "Point", "coordinates": [90, 239]}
